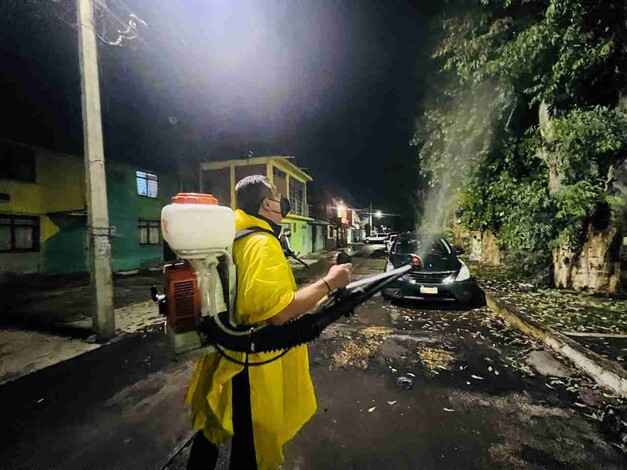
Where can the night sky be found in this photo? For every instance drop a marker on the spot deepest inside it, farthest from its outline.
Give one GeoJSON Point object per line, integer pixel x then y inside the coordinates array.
{"type": "Point", "coordinates": [336, 83]}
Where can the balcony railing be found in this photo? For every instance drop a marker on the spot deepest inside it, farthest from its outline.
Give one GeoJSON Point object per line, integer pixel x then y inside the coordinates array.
{"type": "Point", "coordinates": [299, 207]}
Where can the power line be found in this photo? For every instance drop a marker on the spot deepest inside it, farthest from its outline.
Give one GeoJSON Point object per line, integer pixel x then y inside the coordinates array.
{"type": "Point", "coordinates": [130, 26]}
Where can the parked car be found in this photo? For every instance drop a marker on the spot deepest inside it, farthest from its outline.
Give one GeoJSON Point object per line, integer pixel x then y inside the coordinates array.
{"type": "Point", "coordinates": [441, 276]}
{"type": "Point", "coordinates": [390, 241]}
{"type": "Point", "coordinates": [377, 238]}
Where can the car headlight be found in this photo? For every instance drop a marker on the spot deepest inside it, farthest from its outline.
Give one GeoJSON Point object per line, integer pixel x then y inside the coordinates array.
{"type": "Point", "coordinates": [464, 273]}
{"type": "Point", "coordinates": [389, 266]}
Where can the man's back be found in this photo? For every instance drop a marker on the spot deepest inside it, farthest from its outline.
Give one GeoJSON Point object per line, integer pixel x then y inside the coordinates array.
{"type": "Point", "coordinates": [282, 395]}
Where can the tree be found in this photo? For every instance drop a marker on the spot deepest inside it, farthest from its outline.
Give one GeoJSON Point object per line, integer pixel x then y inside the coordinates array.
{"type": "Point", "coordinates": [529, 127]}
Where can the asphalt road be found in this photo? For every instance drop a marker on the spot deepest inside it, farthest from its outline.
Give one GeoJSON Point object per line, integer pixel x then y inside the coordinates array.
{"type": "Point", "coordinates": [398, 386]}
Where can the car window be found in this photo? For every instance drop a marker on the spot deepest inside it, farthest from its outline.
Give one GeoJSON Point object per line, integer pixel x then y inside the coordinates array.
{"type": "Point", "coordinates": [408, 246]}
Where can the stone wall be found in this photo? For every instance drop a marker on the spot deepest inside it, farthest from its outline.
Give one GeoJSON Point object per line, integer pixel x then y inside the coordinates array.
{"type": "Point", "coordinates": [596, 268]}
{"type": "Point", "coordinates": [474, 246]}
{"type": "Point", "coordinates": [490, 254]}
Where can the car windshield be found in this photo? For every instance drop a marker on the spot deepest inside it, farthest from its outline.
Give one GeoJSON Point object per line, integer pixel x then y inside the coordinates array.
{"type": "Point", "coordinates": [407, 246]}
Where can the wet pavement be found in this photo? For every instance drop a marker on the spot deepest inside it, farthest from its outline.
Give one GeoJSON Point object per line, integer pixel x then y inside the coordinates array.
{"type": "Point", "coordinates": [62, 304]}
{"type": "Point", "coordinates": [119, 406]}
{"type": "Point", "coordinates": [476, 400]}
{"type": "Point", "coordinates": [59, 304]}
{"type": "Point", "coordinates": [398, 386]}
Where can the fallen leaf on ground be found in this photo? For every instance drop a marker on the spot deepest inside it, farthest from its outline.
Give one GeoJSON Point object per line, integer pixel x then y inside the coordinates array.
{"type": "Point", "coordinates": [435, 360]}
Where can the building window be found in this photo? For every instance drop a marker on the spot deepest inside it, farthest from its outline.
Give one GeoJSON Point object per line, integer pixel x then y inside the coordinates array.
{"type": "Point", "coordinates": [295, 228]}
{"type": "Point", "coordinates": [17, 162]}
{"type": "Point", "coordinates": [297, 197]}
{"type": "Point", "coordinates": [148, 231]}
{"type": "Point", "coordinates": [147, 184]}
{"type": "Point", "coordinates": [278, 173]}
{"type": "Point", "coordinates": [19, 234]}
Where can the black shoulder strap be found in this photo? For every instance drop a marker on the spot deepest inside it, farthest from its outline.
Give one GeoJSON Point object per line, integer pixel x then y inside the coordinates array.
{"type": "Point", "coordinates": [250, 230]}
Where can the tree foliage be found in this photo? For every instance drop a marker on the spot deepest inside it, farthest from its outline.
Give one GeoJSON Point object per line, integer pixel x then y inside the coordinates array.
{"type": "Point", "coordinates": [502, 62]}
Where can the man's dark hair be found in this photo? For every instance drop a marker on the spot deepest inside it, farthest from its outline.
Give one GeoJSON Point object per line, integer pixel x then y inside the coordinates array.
{"type": "Point", "coordinates": [250, 191]}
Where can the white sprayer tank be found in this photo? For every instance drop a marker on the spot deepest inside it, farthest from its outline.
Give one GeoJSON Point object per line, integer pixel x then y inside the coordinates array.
{"type": "Point", "coordinates": [195, 225]}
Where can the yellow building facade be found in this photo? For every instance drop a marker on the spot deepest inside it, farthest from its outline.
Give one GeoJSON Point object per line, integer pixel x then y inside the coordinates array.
{"type": "Point", "coordinates": [220, 177]}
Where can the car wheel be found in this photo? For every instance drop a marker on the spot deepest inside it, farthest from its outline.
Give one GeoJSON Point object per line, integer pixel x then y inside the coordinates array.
{"type": "Point", "coordinates": [386, 296]}
{"type": "Point", "coordinates": [478, 299]}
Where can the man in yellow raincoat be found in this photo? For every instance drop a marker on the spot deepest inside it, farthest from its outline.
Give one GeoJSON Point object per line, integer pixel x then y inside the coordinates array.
{"type": "Point", "coordinates": [260, 406]}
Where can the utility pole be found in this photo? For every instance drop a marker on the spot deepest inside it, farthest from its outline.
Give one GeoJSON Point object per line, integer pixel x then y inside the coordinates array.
{"type": "Point", "coordinates": [99, 247]}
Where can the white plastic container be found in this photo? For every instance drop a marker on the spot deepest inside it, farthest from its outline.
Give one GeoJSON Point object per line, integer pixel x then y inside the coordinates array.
{"type": "Point", "coordinates": [195, 225]}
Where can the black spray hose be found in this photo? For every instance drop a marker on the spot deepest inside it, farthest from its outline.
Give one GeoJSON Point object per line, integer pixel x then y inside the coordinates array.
{"type": "Point", "coordinates": [271, 338]}
{"type": "Point", "coordinates": [292, 255]}
{"type": "Point", "coordinates": [297, 332]}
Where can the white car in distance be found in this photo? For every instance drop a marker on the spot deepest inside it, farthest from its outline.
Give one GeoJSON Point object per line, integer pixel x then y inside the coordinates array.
{"type": "Point", "coordinates": [390, 241]}
{"type": "Point", "coordinates": [376, 238]}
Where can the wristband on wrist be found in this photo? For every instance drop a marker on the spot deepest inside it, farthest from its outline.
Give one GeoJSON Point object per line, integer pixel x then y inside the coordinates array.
{"type": "Point", "coordinates": [327, 284]}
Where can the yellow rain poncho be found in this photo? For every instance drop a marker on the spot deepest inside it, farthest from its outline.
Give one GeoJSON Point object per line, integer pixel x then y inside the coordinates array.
{"type": "Point", "coordinates": [282, 395]}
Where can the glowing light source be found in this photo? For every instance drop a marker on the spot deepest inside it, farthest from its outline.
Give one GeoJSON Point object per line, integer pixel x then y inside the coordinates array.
{"type": "Point", "coordinates": [341, 208]}
{"type": "Point", "coordinates": [378, 214]}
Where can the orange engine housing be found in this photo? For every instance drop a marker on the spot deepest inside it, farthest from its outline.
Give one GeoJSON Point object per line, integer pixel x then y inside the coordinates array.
{"type": "Point", "coordinates": [181, 287]}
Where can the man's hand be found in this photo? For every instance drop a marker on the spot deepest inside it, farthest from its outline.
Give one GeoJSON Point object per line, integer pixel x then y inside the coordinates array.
{"type": "Point", "coordinates": [339, 275]}
{"type": "Point", "coordinates": [305, 299]}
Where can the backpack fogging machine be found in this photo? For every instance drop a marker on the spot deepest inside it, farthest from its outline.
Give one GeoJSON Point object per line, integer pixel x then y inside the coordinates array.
{"type": "Point", "coordinates": [200, 287]}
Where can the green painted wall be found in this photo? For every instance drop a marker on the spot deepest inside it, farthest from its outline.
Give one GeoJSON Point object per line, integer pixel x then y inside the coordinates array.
{"type": "Point", "coordinates": [66, 251]}
{"type": "Point", "coordinates": [20, 263]}
{"type": "Point", "coordinates": [126, 207]}
{"type": "Point", "coordinates": [301, 236]}
{"type": "Point", "coordinates": [319, 233]}
{"type": "Point", "coordinates": [58, 198]}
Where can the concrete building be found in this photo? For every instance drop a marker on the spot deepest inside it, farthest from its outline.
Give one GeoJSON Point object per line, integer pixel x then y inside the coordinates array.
{"type": "Point", "coordinates": [43, 212]}
{"type": "Point", "coordinates": [220, 177]}
{"type": "Point", "coordinates": [343, 224]}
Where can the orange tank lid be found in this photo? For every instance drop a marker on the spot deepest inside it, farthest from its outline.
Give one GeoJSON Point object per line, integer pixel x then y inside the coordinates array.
{"type": "Point", "coordinates": [195, 198]}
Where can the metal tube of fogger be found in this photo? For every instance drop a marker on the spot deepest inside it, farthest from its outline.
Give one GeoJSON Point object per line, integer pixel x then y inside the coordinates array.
{"type": "Point", "coordinates": [369, 280]}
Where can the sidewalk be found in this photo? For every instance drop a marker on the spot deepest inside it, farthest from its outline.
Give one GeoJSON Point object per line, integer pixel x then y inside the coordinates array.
{"type": "Point", "coordinates": [589, 330]}
{"type": "Point", "coordinates": [57, 341]}
{"type": "Point", "coordinates": [62, 304]}
{"type": "Point", "coordinates": [51, 315]}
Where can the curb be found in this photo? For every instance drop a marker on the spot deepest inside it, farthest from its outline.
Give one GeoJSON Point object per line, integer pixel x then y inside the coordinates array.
{"type": "Point", "coordinates": [605, 372]}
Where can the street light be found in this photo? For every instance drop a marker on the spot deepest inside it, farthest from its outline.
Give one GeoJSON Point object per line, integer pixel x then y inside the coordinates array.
{"type": "Point", "coordinates": [340, 209]}
{"type": "Point", "coordinates": [370, 214]}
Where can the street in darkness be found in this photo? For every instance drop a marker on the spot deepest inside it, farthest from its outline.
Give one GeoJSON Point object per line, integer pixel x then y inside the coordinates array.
{"type": "Point", "coordinates": [163, 163]}
{"type": "Point", "coordinates": [397, 386]}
